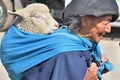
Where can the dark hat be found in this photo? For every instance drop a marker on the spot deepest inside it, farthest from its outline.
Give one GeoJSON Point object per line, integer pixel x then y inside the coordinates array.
{"type": "Point", "coordinates": [92, 7]}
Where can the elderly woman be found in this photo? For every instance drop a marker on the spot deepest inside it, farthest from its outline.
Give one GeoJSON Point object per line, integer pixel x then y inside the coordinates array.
{"type": "Point", "coordinates": [91, 21]}
{"type": "Point", "coordinates": [70, 53]}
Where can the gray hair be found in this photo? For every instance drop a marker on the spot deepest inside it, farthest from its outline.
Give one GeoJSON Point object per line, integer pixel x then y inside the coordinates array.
{"type": "Point", "coordinates": [73, 23]}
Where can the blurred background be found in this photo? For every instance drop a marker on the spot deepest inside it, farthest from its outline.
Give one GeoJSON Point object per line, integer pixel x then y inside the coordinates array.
{"type": "Point", "coordinates": [109, 44]}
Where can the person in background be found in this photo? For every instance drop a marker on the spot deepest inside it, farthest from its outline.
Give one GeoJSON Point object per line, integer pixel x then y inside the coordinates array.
{"type": "Point", "coordinates": [70, 53]}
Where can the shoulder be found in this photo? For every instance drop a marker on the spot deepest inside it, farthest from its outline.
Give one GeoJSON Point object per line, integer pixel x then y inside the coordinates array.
{"type": "Point", "coordinates": [79, 53]}
{"type": "Point", "coordinates": [77, 56]}
{"type": "Point", "coordinates": [85, 53]}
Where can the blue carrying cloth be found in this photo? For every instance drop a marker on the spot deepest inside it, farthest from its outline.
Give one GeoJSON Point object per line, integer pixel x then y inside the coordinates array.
{"type": "Point", "coordinates": [21, 50]}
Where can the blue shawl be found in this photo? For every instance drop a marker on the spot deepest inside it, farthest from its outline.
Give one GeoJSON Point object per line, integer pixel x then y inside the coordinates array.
{"type": "Point", "coordinates": [21, 50]}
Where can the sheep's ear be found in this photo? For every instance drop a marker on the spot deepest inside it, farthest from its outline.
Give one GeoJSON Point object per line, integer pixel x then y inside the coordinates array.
{"type": "Point", "coordinates": [13, 13]}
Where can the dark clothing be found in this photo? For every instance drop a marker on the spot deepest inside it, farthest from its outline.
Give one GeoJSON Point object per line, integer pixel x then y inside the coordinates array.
{"type": "Point", "coordinates": [65, 66]}
{"type": "Point", "coordinates": [89, 7]}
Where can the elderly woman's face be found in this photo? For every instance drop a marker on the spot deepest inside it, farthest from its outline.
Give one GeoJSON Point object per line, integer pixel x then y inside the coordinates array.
{"type": "Point", "coordinates": [96, 27]}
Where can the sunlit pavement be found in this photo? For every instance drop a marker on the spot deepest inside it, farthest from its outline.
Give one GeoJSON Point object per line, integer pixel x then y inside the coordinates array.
{"type": "Point", "coordinates": [110, 47]}
{"type": "Point", "coordinates": [3, 73]}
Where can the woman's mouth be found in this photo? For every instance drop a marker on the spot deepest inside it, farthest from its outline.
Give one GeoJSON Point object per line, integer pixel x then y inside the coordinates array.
{"type": "Point", "coordinates": [101, 35]}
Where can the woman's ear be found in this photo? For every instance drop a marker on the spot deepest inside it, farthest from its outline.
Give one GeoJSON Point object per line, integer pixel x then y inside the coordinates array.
{"type": "Point", "coordinates": [87, 21]}
{"type": "Point", "coordinates": [84, 21]}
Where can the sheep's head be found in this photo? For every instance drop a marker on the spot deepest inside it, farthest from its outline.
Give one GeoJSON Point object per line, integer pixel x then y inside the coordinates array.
{"type": "Point", "coordinates": [38, 18]}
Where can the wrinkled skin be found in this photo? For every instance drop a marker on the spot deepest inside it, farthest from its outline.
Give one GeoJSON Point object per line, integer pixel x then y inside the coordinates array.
{"type": "Point", "coordinates": [94, 28]}
{"type": "Point", "coordinates": [91, 73]}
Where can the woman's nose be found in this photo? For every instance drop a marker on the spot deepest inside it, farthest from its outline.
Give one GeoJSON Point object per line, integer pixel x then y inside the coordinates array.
{"type": "Point", "coordinates": [108, 28]}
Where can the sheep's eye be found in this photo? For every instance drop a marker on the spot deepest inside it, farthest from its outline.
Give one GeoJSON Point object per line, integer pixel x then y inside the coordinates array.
{"type": "Point", "coordinates": [37, 16]}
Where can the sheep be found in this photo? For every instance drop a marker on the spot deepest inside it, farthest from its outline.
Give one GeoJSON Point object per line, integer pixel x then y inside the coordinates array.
{"type": "Point", "coordinates": [35, 18]}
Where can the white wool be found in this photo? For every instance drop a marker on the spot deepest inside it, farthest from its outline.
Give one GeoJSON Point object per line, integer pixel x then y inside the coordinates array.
{"type": "Point", "coordinates": [35, 18]}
